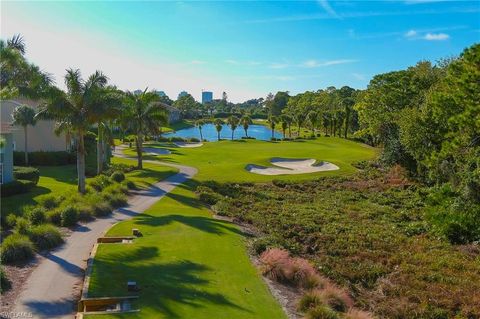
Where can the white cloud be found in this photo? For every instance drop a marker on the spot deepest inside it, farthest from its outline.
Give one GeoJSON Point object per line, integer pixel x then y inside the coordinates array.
{"type": "Point", "coordinates": [328, 8]}
{"type": "Point", "coordinates": [278, 65]}
{"type": "Point", "coordinates": [411, 34]}
{"type": "Point", "coordinates": [436, 36]}
{"type": "Point", "coordinates": [316, 64]}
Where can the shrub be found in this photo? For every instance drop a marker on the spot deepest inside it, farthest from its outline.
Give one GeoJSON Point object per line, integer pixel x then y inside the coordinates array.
{"type": "Point", "coordinates": [55, 217]}
{"type": "Point", "coordinates": [69, 216]}
{"type": "Point", "coordinates": [85, 211]}
{"type": "Point", "coordinates": [36, 216]}
{"type": "Point", "coordinates": [100, 182]}
{"type": "Point", "coordinates": [358, 314]}
{"type": "Point", "coordinates": [26, 173]}
{"type": "Point", "coordinates": [206, 195]}
{"type": "Point", "coordinates": [117, 200]}
{"type": "Point", "coordinates": [336, 298]}
{"type": "Point", "coordinates": [310, 299]}
{"type": "Point", "coordinates": [16, 248]}
{"type": "Point", "coordinates": [21, 225]}
{"type": "Point", "coordinates": [321, 312]}
{"type": "Point", "coordinates": [102, 209]}
{"type": "Point", "coordinates": [130, 184]}
{"type": "Point", "coordinates": [45, 158]}
{"type": "Point", "coordinates": [117, 177]}
{"type": "Point", "coordinates": [259, 245]}
{"type": "Point", "coordinates": [274, 262]}
{"type": "Point", "coordinates": [16, 187]}
{"type": "Point", "coordinates": [124, 168]}
{"type": "Point", "coordinates": [302, 273]}
{"type": "Point", "coordinates": [45, 236]}
{"type": "Point", "coordinates": [50, 201]}
{"type": "Point", "coordinates": [5, 283]}
{"type": "Point", "coordinates": [11, 220]}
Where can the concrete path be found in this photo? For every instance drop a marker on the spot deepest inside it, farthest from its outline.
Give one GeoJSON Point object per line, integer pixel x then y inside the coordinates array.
{"type": "Point", "coordinates": [53, 288]}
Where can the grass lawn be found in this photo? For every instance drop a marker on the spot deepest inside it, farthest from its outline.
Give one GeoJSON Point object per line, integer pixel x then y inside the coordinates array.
{"type": "Point", "coordinates": [188, 265]}
{"type": "Point", "coordinates": [59, 180]}
{"type": "Point", "coordinates": [226, 160]}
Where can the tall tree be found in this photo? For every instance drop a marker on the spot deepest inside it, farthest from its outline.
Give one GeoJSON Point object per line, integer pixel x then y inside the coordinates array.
{"type": "Point", "coordinates": [233, 122]}
{"type": "Point", "coordinates": [145, 116]}
{"type": "Point", "coordinates": [199, 123]}
{"type": "Point", "coordinates": [273, 120]}
{"type": "Point", "coordinates": [82, 105]}
{"type": "Point", "coordinates": [246, 121]}
{"type": "Point", "coordinates": [24, 116]}
{"type": "Point", "coordinates": [218, 126]}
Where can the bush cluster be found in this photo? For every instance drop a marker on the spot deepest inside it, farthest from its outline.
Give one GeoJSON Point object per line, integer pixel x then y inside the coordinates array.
{"type": "Point", "coordinates": [45, 236]}
{"type": "Point", "coordinates": [16, 187]}
{"type": "Point", "coordinates": [117, 177]}
{"type": "Point", "coordinates": [5, 283]}
{"type": "Point", "coordinates": [42, 158]}
{"type": "Point", "coordinates": [26, 173]}
{"type": "Point", "coordinates": [16, 248]}
{"type": "Point", "coordinates": [362, 230]}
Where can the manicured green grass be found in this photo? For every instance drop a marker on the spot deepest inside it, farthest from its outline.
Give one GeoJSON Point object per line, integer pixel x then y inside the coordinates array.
{"type": "Point", "coordinates": [188, 265]}
{"type": "Point", "coordinates": [226, 160]}
{"type": "Point", "coordinates": [54, 180]}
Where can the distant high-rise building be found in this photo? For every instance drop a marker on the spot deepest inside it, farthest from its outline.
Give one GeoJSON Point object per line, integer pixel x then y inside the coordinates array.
{"type": "Point", "coordinates": [207, 96]}
{"type": "Point", "coordinates": [160, 93]}
{"type": "Point", "coordinates": [183, 93]}
{"type": "Point", "coordinates": [137, 92]}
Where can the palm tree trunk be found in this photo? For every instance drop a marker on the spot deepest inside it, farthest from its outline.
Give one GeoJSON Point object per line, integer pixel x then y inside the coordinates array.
{"type": "Point", "coordinates": [289, 131]}
{"type": "Point", "coordinates": [139, 151]}
{"type": "Point", "coordinates": [81, 163]}
{"type": "Point", "coordinates": [99, 150]}
{"type": "Point", "coordinates": [246, 131]}
{"type": "Point", "coordinates": [284, 133]}
{"type": "Point", "coordinates": [25, 145]}
{"type": "Point", "coordinates": [201, 136]}
{"type": "Point", "coordinates": [232, 135]}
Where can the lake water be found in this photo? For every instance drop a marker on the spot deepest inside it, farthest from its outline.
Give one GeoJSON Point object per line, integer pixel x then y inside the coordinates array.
{"type": "Point", "coordinates": [209, 132]}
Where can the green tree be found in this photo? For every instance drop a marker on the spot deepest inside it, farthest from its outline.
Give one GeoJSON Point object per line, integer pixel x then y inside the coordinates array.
{"type": "Point", "coordinates": [76, 110]}
{"type": "Point", "coordinates": [312, 118]}
{"type": "Point", "coordinates": [246, 121]}
{"type": "Point", "coordinates": [18, 76]}
{"type": "Point", "coordinates": [218, 126]}
{"type": "Point", "coordinates": [199, 123]}
{"type": "Point", "coordinates": [233, 122]}
{"type": "Point", "coordinates": [24, 116]}
{"type": "Point", "coordinates": [144, 116]}
{"type": "Point", "coordinates": [186, 104]}
{"type": "Point", "coordinates": [273, 120]}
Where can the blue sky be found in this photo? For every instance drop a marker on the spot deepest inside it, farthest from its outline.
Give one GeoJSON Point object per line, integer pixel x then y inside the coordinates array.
{"type": "Point", "coordinates": [245, 48]}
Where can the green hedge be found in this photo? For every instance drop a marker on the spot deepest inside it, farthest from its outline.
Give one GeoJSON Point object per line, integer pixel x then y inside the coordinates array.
{"type": "Point", "coordinates": [16, 187]}
{"type": "Point", "coordinates": [42, 158]}
{"type": "Point", "coordinates": [26, 173]}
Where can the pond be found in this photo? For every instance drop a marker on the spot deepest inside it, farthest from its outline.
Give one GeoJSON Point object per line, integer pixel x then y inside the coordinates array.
{"type": "Point", "coordinates": [209, 132]}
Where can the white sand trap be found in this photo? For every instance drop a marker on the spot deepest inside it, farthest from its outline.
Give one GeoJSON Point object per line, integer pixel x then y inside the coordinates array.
{"type": "Point", "coordinates": [291, 166]}
{"type": "Point", "coordinates": [156, 151]}
{"type": "Point", "coordinates": [186, 144]}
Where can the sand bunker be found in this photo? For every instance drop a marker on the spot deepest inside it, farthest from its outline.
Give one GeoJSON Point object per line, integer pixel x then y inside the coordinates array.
{"type": "Point", "coordinates": [291, 166]}
{"type": "Point", "coordinates": [186, 144]}
{"type": "Point", "coordinates": [156, 151]}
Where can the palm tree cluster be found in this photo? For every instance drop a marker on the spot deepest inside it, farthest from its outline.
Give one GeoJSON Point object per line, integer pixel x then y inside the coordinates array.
{"type": "Point", "coordinates": [90, 104]}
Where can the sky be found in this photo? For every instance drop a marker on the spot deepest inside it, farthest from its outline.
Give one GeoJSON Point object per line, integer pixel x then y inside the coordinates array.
{"type": "Point", "coordinates": [245, 48]}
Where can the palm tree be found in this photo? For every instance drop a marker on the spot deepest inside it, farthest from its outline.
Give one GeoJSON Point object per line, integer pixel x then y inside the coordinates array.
{"type": "Point", "coordinates": [144, 116]}
{"type": "Point", "coordinates": [233, 122]}
{"type": "Point", "coordinates": [218, 126]}
{"type": "Point", "coordinates": [299, 119]}
{"type": "Point", "coordinates": [273, 120]}
{"type": "Point", "coordinates": [199, 123]}
{"type": "Point", "coordinates": [246, 121]}
{"type": "Point", "coordinates": [24, 116]}
{"type": "Point", "coordinates": [285, 119]}
{"type": "Point", "coordinates": [76, 110]}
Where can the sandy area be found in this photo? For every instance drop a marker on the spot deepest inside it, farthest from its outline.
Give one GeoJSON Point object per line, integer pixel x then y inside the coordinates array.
{"type": "Point", "coordinates": [290, 166]}
{"type": "Point", "coordinates": [185, 144]}
{"type": "Point", "coordinates": [156, 151]}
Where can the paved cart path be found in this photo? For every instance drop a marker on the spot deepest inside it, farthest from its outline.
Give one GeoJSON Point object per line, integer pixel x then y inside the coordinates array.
{"type": "Point", "coordinates": [52, 289]}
